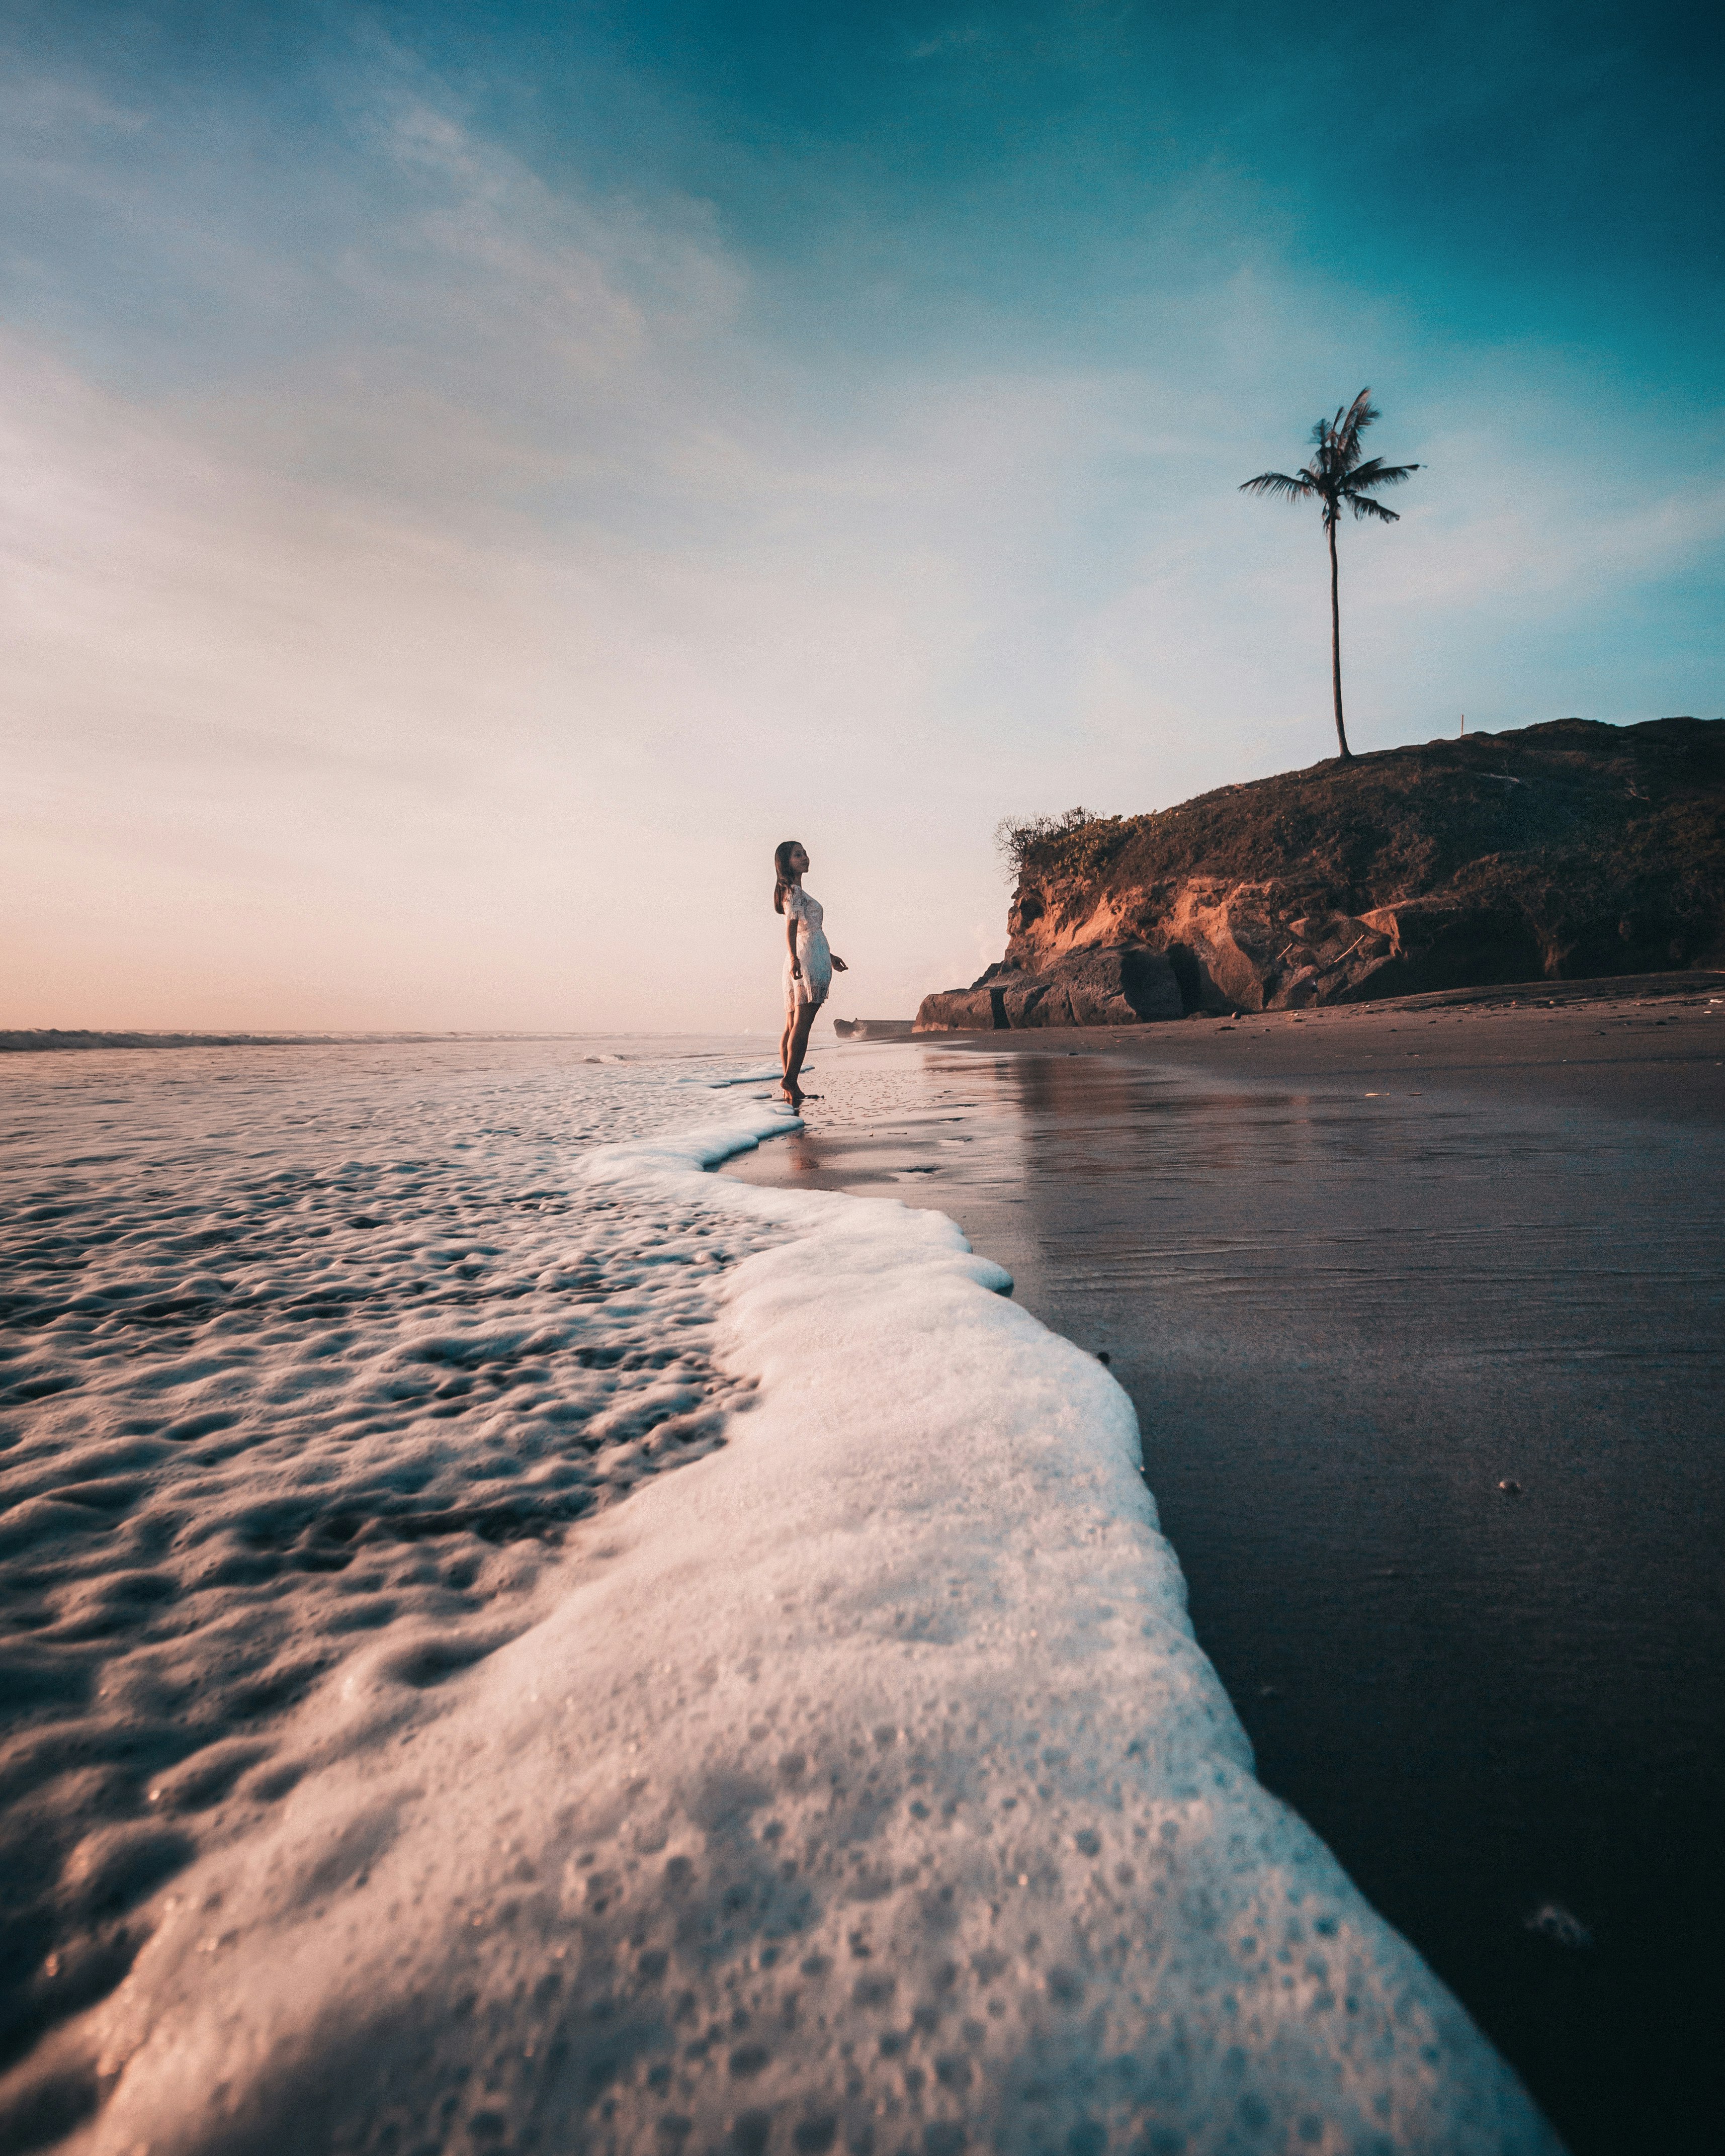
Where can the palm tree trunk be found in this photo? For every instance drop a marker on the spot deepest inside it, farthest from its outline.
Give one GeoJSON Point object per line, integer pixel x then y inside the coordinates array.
{"type": "Point", "coordinates": [1336, 650]}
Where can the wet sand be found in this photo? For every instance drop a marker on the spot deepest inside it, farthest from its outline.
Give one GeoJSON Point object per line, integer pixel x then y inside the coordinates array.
{"type": "Point", "coordinates": [1360, 1271]}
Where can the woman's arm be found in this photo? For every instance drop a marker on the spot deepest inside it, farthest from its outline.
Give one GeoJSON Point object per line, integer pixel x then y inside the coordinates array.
{"type": "Point", "coordinates": [790, 935]}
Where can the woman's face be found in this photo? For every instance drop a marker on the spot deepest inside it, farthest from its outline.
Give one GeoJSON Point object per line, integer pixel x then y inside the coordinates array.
{"type": "Point", "coordinates": [798, 860]}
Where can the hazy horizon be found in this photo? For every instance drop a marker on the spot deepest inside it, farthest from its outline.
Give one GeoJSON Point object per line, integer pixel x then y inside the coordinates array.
{"type": "Point", "coordinates": [478, 479]}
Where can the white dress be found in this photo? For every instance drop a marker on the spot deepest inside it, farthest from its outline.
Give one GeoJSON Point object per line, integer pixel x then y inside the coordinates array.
{"type": "Point", "coordinates": [813, 955]}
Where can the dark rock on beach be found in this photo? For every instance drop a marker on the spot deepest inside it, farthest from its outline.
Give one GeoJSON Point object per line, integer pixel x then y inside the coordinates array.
{"type": "Point", "coordinates": [1567, 851]}
{"type": "Point", "coordinates": [1121, 985]}
{"type": "Point", "coordinates": [873, 1028]}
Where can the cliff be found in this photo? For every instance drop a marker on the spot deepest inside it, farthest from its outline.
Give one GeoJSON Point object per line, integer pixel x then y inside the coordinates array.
{"type": "Point", "coordinates": [1561, 852]}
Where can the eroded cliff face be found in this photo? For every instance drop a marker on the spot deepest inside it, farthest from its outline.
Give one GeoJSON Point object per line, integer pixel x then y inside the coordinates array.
{"type": "Point", "coordinates": [1564, 851]}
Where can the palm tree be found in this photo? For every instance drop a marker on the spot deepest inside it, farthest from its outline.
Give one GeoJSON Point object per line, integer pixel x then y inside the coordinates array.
{"type": "Point", "coordinates": [1334, 476]}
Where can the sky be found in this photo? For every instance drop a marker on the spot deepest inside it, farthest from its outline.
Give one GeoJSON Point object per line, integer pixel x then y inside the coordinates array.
{"type": "Point", "coordinates": [473, 478]}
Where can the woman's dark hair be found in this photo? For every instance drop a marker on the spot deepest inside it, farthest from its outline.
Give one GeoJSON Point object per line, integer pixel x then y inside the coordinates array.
{"type": "Point", "coordinates": [782, 870]}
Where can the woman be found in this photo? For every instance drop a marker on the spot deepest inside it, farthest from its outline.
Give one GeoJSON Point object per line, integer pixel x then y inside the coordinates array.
{"type": "Point", "coordinates": [809, 967]}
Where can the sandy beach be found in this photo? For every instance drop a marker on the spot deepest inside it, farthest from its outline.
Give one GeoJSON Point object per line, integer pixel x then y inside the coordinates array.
{"type": "Point", "coordinates": [1420, 1306]}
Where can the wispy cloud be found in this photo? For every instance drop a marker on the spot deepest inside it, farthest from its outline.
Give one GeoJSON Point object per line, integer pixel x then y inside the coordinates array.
{"type": "Point", "coordinates": [957, 37]}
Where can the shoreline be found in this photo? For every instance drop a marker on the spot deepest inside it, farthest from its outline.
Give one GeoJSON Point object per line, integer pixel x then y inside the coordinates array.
{"type": "Point", "coordinates": [38, 1040]}
{"type": "Point", "coordinates": [1418, 1306]}
{"type": "Point", "coordinates": [1517, 1038]}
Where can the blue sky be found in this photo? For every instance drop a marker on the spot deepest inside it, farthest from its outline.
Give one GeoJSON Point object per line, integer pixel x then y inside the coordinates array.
{"type": "Point", "coordinates": [483, 474]}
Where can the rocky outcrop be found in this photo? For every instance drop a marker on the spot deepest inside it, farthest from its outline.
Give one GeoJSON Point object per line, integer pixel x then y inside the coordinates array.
{"type": "Point", "coordinates": [1121, 985]}
{"type": "Point", "coordinates": [1561, 852]}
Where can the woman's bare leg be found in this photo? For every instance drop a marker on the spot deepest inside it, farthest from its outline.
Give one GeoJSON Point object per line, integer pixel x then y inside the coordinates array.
{"type": "Point", "coordinates": [797, 1048]}
{"type": "Point", "coordinates": [785, 1040]}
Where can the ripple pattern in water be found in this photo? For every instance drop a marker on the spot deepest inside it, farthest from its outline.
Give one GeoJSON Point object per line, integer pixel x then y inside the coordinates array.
{"type": "Point", "coordinates": [305, 1348]}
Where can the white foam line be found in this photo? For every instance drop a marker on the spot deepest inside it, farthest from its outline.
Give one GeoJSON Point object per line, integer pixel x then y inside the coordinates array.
{"type": "Point", "coordinates": [748, 1078]}
{"type": "Point", "coordinates": [866, 1789]}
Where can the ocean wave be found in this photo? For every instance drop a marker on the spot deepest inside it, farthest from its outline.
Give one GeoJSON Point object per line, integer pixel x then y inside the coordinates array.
{"type": "Point", "coordinates": [861, 1784]}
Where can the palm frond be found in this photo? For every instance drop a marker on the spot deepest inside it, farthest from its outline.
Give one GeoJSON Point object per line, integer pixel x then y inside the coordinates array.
{"type": "Point", "coordinates": [1336, 475]}
{"type": "Point", "coordinates": [1289, 488]}
{"type": "Point", "coordinates": [1377, 473]}
{"type": "Point", "coordinates": [1350, 425]}
{"type": "Point", "coordinates": [1358, 416]}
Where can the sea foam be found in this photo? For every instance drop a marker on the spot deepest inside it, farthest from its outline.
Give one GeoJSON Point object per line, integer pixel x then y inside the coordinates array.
{"type": "Point", "coordinates": [860, 1785]}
